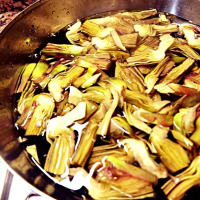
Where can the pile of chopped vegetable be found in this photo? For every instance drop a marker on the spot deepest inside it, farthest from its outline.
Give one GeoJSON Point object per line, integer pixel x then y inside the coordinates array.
{"type": "Point", "coordinates": [119, 106]}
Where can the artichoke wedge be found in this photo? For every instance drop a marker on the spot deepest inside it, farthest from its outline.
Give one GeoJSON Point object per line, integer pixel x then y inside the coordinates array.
{"type": "Point", "coordinates": [119, 127]}
{"type": "Point", "coordinates": [43, 105]}
{"type": "Point", "coordinates": [152, 77]}
{"type": "Point", "coordinates": [172, 155]}
{"type": "Point", "coordinates": [177, 72]}
{"type": "Point", "coordinates": [149, 56]}
{"type": "Point", "coordinates": [57, 125]}
{"type": "Point", "coordinates": [58, 158]}
{"type": "Point", "coordinates": [104, 125]}
{"type": "Point", "coordinates": [115, 150]}
{"type": "Point", "coordinates": [190, 35]}
{"type": "Point", "coordinates": [62, 81]}
{"type": "Point", "coordinates": [176, 187]}
{"type": "Point", "coordinates": [126, 175]}
{"type": "Point", "coordinates": [25, 76]}
{"type": "Point", "coordinates": [25, 100]}
{"type": "Point", "coordinates": [63, 49]}
{"type": "Point", "coordinates": [85, 144]}
{"type": "Point", "coordinates": [134, 121]}
{"type": "Point", "coordinates": [184, 120]}
{"type": "Point", "coordinates": [141, 154]}
{"type": "Point", "coordinates": [153, 118]}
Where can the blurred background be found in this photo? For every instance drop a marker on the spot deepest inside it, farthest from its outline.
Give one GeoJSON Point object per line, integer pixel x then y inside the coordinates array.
{"type": "Point", "coordinates": [10, 8]}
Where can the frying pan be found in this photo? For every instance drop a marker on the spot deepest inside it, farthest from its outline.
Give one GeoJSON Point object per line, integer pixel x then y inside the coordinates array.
{"type": "Point", "coordinates": [23, 36]}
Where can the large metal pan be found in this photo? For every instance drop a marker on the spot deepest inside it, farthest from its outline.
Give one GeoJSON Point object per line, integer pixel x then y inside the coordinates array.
{"type": "Point", "coordinates": [25, 34]}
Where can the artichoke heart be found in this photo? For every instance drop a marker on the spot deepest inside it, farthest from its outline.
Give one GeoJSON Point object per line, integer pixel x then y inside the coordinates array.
{"type": "Point", "coordinates": [62, 81]}
{"type": "Point", "coordinates": [60, 152]}
{"type": "Point", "coordinates": [172, 155]}
{"type": "Point", "coordinates": [43, 105]}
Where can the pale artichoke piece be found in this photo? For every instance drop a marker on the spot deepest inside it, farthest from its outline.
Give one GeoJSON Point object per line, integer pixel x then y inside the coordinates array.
{"type": "Point", "coordinates": [105, 21]}
{"type": "Point", "coordinates": [64, 106]}
{"type": "Point", "coordinates": [97, 94]}
{"type": "Point", "coordinates": [125, 168]}
{"type": "Point", "coordinates": [74, 28]}
{"type": "Point", "coordinates": [127, 176]}
{"type": "Point", "coordinates": [176, 89]}
{"type": "Point", "coordinates": [94, 93]}
{"type": "Point", "coordinates": [25, 100]}
{"type": "Point", "coordinates": [129, 40]}
{"type": "Point", "coordinates": [168, 67]}
{"type": "Point", "coordinates": [134, 121]}
{"type": "Point", "coordinates": [99, 115]}
{"type": "Point", "coordinates": [85, 144]}
{"type": "Point", "coordinates": [59, 155]}
{"type": "Point", "coordinates": [91, 108]}
{"type": "Point", "coordinates": [116, 55]}
{"type": "Point", "coordinates": [43, 104]}
{"type": "Point", "coordinates": [117, 40]}
{"type": "Point", "coordinates": [47, 78]}
{"type": "Point", "coordinates": [182, 47]}
{"type": "Point", "coordinates": [138, 15]}
{"type": "Point", "coordinates": [141, 154]}
{"type": "Point", "coordinates": [113, 43]}
{"type": "Point", "coordinates": [62, 81]}
{"type": "Point", "coordinates": [163, 19]}
{"type": "Point", "coordinates": [101, 190]}
{"type": "Point", "coordinates": [195, 137]}
{"type": "Point", "coordinates": [118, 127]}
{"type": "Point", "coordinates": [153, 118]}
{"type": "Point", "coordinates": [172, 155]}
{"type": "Point", "coordinates": [193, 80]}
{"type": "Point", "coordinates": [115, 84]}
{"type": "Point", "coordinates": [176, 187]}
{"type": "Point", "coordinates": [176, 72]}
{"type": "Point", "coordinates": [57, 125]}
{"type": "Point", "coordinates": [75, 95]}
{"type": "Point", "coordinates": [25, 75]}
{"type": "Point", "coordinates": [99, 60]}
{"type": "Point", "coordinates": [104, 44]}
{"type": "Point", "coordinates": [184, 120]}
{"type": "Point", "coordinates": [90, 71]}
{"type": "Point", "coordinates": [162, 29]}
{"type": "Point", "coordinates": [39, 70]}
{"type": "Point", "coordinates": [95, 30]}
{"type": "Point", "coordinates": [62, 49]}
{"type": "Point", "coordinates": [131, 76]}
{"type": "Point", "coordinates": [144, 101]}
{"type": "Point", "coordinates": [73, 34]}
{"type": "Point", "coordinates": [146, 55]}
{"type": "Point", "coordinates": [190, 35]}
{"type": "Point", "coordinates": [150, 41]}
{"type": "Point", "coordinates": [91, 81]}
{"type": "Point", "coordinates": [119, 23]}
{"type": "Point", "coordinates": [100, 152]}
{"type": "Point", "coordinates": [182, 140]}
{"type": "Point", "coordinates": [145, 30]}
{"type": "Point", "coordinates": [151, 78]}
{"type": "Point", "coordinates": [78, 39]}
{"type": "Point", "coordinates": [104, 124]}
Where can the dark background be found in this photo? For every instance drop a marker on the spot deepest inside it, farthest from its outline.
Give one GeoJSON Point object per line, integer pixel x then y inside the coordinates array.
{"type": "Point", "coordinates": [14, 5]}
